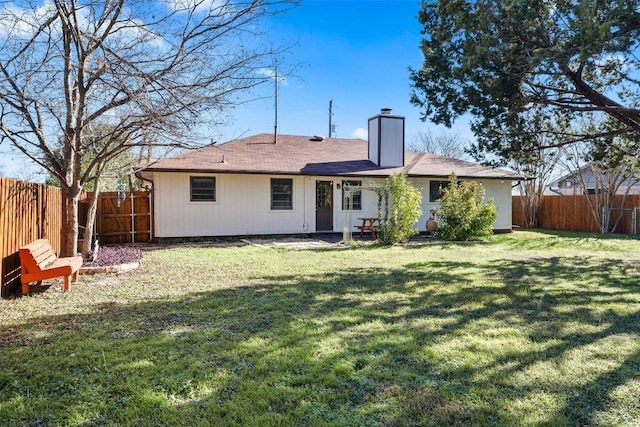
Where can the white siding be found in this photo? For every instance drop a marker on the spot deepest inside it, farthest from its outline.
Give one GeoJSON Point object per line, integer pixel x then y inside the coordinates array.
{"type": "Point", "coordinates": [499, 191]}
{"type": "Point", "coordinates": [347, 220]}
{"type": "Point", "coordinates": [243, 201]}
{"type": "Point", "coordinates": [243, 206]}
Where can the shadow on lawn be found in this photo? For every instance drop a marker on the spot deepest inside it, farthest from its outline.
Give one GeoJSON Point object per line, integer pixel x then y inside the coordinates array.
{"type": "Point", "coordinates": [360, 347]}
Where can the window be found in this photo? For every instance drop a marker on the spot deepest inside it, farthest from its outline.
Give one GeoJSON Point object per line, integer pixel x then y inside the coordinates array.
{"type": "Point", "coordinates": [203, 189]}
{"type": "Point", "coordinates": [435, 190]}
{"type": "Point", "coordinates": [352, 200]}
{"type": "Point", "coordinates": [281, 194]}
{"type": "Point", "coordinates": [592, 191]}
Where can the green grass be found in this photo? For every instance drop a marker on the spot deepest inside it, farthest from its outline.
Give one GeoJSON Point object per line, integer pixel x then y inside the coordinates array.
{"type": "Point", "coordinates": [530, 328]}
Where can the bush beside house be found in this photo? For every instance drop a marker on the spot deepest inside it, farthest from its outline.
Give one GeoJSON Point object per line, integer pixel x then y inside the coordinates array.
{"type": "Point", "coordinates": [463, 212]}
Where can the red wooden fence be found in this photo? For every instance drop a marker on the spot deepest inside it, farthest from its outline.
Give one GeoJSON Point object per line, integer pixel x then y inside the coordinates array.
{"type": "Point", "coordinates": [31, 211]}
{"type": "Point", "coordinates": [573, 213]}
{"type": "Point", "coordinates": [121, 218]}
{"type": "Point", "coordinates": [27, 212]}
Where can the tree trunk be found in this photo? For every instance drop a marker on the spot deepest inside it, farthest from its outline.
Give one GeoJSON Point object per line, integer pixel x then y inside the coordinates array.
{"type": "Point", "coordinates": [530, 200]}
{"type": "Point", "coordinates": [69, 237]}
{"type": "Point", "coordinates": [91, 220]}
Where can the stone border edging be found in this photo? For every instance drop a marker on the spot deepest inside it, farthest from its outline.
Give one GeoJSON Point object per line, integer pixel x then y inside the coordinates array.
{"type": "Point", "coordinates": [119, 268]}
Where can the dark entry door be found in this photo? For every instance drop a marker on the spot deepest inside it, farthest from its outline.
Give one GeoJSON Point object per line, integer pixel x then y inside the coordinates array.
{"type": "Point", "coordinates": [324, 206]}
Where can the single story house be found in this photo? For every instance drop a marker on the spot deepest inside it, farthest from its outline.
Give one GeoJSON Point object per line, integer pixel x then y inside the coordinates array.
{"type": "Point", "coordinates": [586, 181]}
{"type": "Point", "coordinates": [286, 184]}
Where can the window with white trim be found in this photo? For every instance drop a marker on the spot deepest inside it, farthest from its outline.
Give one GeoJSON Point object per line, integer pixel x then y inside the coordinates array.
{"type": "Point", "coordinates": [435, 190]}
{"type": "Point", "coordinates": [203, 188]}
{"type": "Point", "coordinates": [351, 200]}
{"type": "Point", "coordinates": [281, 194]}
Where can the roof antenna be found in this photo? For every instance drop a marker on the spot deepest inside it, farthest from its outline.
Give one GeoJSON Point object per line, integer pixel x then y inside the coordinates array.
{"type": "Point", "coordinates": [332, 126]}
{"type": "Point", "coordinates": [330, 115]}
{"type": "Point", "coordinates": [275, 126]}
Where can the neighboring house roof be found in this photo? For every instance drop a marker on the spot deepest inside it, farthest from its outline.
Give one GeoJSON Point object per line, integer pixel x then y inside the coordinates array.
{"type": "Point", "coordinates": [304, 155]}
{"type": "Point", "coordinates": [571, 183]}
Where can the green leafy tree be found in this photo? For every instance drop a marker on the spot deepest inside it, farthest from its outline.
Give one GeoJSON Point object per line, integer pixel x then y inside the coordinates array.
{"type": "Point", "coordinates": [495, 147]}
{"type": "Point", "coordinates": [463, 212]}
{"type": "Point", "coordinates": [398, 209]}
{"type": "Point", "coordinates": [497, 59]}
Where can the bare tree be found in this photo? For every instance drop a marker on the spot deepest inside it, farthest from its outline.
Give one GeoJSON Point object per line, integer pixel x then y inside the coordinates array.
{"type": "Point", "coordinates": [107, 175]}
{"type": "Point", "coordinates": [602, 178]}
{"type": "Point", "coordinates": [538, 168]}
{"type": "Point", "coordinates": [450, 145]}
{"type": "Point", "coordinates": [105, 169]}
{"type": "Point", "coordinates": [142, 67]}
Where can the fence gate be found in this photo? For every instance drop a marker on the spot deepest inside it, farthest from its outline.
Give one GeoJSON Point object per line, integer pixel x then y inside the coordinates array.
{"type": "Point", "coordinates": [123, 218]}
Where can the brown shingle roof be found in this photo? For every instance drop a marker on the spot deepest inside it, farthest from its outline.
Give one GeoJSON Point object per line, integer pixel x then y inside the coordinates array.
{"type": "Point", "coordinates": [302, 155]}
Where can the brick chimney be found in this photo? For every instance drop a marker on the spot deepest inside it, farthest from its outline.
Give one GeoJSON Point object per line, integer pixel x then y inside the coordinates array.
{"type": "Point", "coordinates": [386, 139]}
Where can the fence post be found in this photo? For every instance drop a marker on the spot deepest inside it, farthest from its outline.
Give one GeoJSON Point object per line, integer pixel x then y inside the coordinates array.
{"type": "Point", "coordinates": [133, 220]}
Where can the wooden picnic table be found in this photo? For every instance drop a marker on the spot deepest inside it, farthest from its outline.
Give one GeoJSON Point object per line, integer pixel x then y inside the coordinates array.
{"type": "Point", "coordinates": [368, 224]}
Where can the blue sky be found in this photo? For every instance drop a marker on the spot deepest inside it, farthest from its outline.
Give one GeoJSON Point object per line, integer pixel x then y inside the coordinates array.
{"type": "Point", "coordinates": [356, 53]}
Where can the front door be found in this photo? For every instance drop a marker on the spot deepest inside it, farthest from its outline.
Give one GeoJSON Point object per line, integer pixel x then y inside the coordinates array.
{"type": "Point", "coordinates": [324, 205]}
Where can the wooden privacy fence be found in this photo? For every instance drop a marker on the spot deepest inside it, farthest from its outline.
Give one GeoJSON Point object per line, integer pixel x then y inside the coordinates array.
{"type": "Point", "coordinates": [573, 213]}
{"type": "Point", "coordinates": [121, 217]}
{"type": "Point", "coordinates": [27, 212]}
{"type": "Point", "coordinates": [31, 211]}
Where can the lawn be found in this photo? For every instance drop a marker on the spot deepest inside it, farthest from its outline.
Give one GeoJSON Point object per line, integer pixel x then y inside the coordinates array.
{"type": "Point", "coordinates": [530, 328]}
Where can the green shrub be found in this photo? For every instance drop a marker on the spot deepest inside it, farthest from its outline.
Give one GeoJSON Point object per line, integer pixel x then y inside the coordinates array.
{"type": "Point", "coordinates": [399, 209]}
{"type": "Point", "coordinates": [463, 212]}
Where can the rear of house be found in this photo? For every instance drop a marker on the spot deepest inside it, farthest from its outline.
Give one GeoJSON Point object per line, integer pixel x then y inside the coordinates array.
{"type": "Point", "coordinates": [286, 184]}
